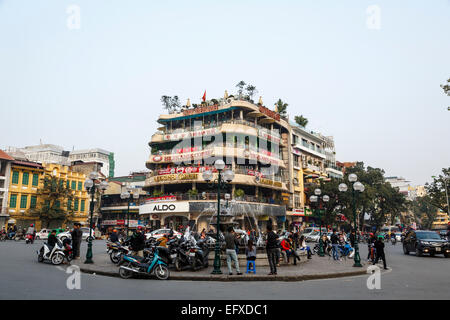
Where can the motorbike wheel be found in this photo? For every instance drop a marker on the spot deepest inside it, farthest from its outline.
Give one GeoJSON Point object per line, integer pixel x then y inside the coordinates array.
{"type": "Point", "coordinates": [17, 238]}
{"type": "Point", "coordinates": [125, 274]}
{"type": "Point", "coordinates": [161, 272]}
{"type": "Point", "coordinates": [115, 257]}
{"type": "Point", "coordinates": [177, 264]}
{"type": "Point", "coordinates": [40, 257]}
{"type": "Point", "coordinates": [58, 258]}
{"type": "Point", "coordinates": [405, 251]}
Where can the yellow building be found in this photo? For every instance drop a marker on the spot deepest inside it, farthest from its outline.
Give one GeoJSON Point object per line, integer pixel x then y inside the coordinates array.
{"type": "Point", "coordinates": [441, 220]}
{"type": "Point", "coordinates": [25, 182]}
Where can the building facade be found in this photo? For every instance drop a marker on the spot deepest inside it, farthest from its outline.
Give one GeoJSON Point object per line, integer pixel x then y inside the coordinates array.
{"type": "Point", "coordinates": [5, 173]}
{"type": "Point", "coordinates": [26, 181]}
{"type": "Point", "coordinates": [254, 143]}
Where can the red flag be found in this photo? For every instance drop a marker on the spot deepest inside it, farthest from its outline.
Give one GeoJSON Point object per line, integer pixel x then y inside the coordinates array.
{"type": "Point", "coordinates": [204, 96]}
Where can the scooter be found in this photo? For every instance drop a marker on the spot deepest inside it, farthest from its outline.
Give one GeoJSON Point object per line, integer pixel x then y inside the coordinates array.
{"type": "Point", "coordinates": [29, 238]}
{"type": "Point", "coordinates": [116, 250]}
{"type": "Point", "coordinates": [138, 265]}
{"type": "Point", "coordinates": [56, 255]}
{"type": "Point", "coordinates": [198, 254]}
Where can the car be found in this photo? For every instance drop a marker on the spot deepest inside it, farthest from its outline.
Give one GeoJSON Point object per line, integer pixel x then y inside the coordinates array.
{"type": "Point", "coordinates": [161, 232]}
{"type": "Point", "coordinates": [398, 236]}
{"type": "Point", "coordinates": [425, 241]}
{"type": "Point", "coordinates": [313, 236]}
{"type": "Point", "coordinates": [443, 234]}
{"type": "Point", "coordinates": [85, 236]}
{"type": "Point", "coordinates": [309, 230]}
{"type": "Point", "coordinates": [44, 233]}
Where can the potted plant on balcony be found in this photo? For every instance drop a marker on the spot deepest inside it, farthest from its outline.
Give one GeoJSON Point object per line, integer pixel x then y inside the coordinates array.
{"type": "Point", "coordinates": [239, 194]}
{"type": "Point", "coordinates": [157, 193]}
{"type": "Point", "coordinates": [192, 194]}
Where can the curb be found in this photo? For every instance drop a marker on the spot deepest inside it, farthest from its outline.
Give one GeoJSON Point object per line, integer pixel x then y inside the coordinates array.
{"type": "Point", "coordinates": [228, 278]}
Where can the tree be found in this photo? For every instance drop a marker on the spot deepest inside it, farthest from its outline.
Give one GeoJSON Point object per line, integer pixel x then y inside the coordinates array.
{"type": "Point", "coordinates": [424, 212]}
{"type": "Point", "coordinates": [301, 121]}
{"type": "Point", "coordinates": [171, 104]}
{"type": "Point", "coordinates": [436, 190]}
{"type": "Point", "coordinates": [251, 90]}
{"type": "Point", "coordinates": [241, 84]}
{"type": "Point", "coordinates": [53, 197]}
{"type": "Point", "coordinates": [282, 107]}
{"type": "Point", "coordinates": [446, 87]}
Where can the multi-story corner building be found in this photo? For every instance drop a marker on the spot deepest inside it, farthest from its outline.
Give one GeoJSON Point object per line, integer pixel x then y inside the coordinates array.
{"type": "Point", "coordinates": [254, 142]}
{"type": "Point", "coordinates": [403, 185]}
{"type": "Point", "coordinates": [5, 172]}
{"type": "Point", "coordinates": [49, 153]}
{"type": "Point", "coordinates": [313, 157]}
{"type": "Point", "coordinates": [24, 192]}
{"type": "Point", "coordinates": [441, 221]}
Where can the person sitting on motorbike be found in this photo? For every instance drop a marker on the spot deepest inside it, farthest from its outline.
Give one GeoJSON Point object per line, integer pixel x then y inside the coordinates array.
{"type": "Point", "coordinates": [203, 234]}
{"type": "Point", "coordinates": [114, 237]}
{"type": "Point", "coordinates": [52, 241]}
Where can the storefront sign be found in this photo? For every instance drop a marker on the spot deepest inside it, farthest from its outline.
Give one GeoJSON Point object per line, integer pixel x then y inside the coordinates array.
{"type": "Point", "coordinates": [176, 177]}
{"type": "Point", "coordinates": [109, 222]}
{"type": "Point", "coordinates": [166, 207]}
{"type": "Point", "coordinates": [176, 170]}
{"type": "Point", "coordinates": [182, 157]}
{"type": "Point", "coordinates": [201, 110]}
{"type": "Point", "coordinates": [160, 199]}
{"type": "Point", "coordinates": [262, 158]}
{"type": "Point", "coordinates": [298, 212]}
{"type": "Point", "coordinates": [191, 134]}
{"type": "Point", "coordinates": [269, 137]}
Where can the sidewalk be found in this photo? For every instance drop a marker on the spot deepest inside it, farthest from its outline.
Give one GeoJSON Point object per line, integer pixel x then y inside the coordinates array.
{"type": "Point", "coordinates": [315, 268]}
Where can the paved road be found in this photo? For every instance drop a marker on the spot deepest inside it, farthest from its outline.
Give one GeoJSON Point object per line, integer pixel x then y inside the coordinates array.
{"type": "Point", "coordinates": [22, 277]}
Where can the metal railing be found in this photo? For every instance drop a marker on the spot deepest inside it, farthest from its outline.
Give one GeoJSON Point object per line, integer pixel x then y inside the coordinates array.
{"type": "Point", "coordinates": [213, 196]}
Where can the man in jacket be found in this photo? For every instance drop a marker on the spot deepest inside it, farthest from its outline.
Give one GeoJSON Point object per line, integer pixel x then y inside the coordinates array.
{"type": "Point", "coordinates": [272, 249]}
{"type": "Point", "coordinates": [137, 242]}
{"type": "Point", "coordinates": [379, 246]}
{"type": "Point", "coordinates": [114, 237]}
{"type": "Point", "coordinates": [230, 245]}
{"type": "Point", "coordinates": [335, 243]}
{"type": "Point", "coordinates": [77, 236]}
{"type": "Point", "coordinates": [51, 241]}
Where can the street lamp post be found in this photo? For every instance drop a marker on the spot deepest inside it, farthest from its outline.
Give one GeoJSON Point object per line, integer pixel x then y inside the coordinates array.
{"type": "Point", "coordinates": [357, 186]}
{"type": "Point", "coordinates": [316, 199]}
{"type": "Point", "coordinates": [220, 182]}
{"type": "Point", "coordinates": [127, 195]}
{"type": "Point", "coordinates": [91, 187]}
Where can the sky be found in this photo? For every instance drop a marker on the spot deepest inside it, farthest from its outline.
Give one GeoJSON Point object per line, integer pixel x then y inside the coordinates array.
{"type": "Point", "coordinates": [90, 73]}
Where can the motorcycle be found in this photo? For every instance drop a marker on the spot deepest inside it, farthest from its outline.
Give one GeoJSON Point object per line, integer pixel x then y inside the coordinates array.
{"type": "Point", "coordinates": [56, 254]}
{"type": "Point", "coordinates": [29, 238]}
{"type": "Point", "coordinates": [198, 254]}
{"type": "Point", "coordinates": [116, 250]}
{"type": "Point", "coordinates": [393, 241]}
{"type": "Point", "coordinates": [147, 265]}
{"type": "Point", "coordinates": [19, 236]}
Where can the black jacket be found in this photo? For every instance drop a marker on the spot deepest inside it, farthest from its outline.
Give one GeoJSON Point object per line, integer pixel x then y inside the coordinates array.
{"type": "Point", "coordinates": [379, 245]}
{"type": "Point", "coordinates": [334, 239]}
{"type": "Point", "coordinates": [52, 240]}
{"type": "Point", "coordinates": [114, 237]}
{"type": "Point", "coordinates": [272, 242]}
{"type": "Point", "coordinates": [77, 235]}
{"type": "Point", "coordinates": [137, 241]}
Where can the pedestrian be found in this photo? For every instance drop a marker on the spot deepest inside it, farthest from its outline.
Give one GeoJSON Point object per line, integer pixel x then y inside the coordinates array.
{"type": "Point", "coordinates": [353, 238]}
{"type": "Point", "coordinates": [303, 246]}
{"type": "Point", "coordinates": [137, 242]}
{"type": "Point", "coordinates": [272, 249]}
{"type": "Point", "coordinates": [379, 246]}
{"type": "Point", "coordinates": [230, 245]}
{"type": "Point", "coordinates": [77, 236]}
{"type": "Point", "coordinates": [370, 243]}
{"type": "Point", "coordinates": [335, 243]}
{"type": "Point", "coordinates": [250, 252]}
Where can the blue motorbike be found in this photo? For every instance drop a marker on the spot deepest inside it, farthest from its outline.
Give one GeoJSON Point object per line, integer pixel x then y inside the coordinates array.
{"type": "Point", "coordinates": [153, 264]}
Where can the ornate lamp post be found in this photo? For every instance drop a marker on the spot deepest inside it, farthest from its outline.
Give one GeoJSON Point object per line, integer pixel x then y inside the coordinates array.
{"type": "Point", "coordinates": [357, 186]}
{"type": "Point", "coordinates": [127, 195]}
{"type": "Point", "coordinates": [91, 187]}
{"type": "Point", "coordinates": [220, 182]}
{"type": "Point", "coordinates": [316, 199]}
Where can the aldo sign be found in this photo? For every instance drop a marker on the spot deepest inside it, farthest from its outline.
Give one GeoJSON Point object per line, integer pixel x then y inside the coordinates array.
{"type": "Point", "coordinates": [164, 207]}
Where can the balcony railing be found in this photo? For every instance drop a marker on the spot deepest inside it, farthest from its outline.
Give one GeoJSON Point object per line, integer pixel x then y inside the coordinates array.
{"type": "Point", "coordinates": [213, 196]}
{"type": "Point", "coordinates": [275, 133]}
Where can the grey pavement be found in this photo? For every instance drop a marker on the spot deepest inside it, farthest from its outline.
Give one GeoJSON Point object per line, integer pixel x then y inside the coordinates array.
{"type": "Point", "coordinates": [411, 277]}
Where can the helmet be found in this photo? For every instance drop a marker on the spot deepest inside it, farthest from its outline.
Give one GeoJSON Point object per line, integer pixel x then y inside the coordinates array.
{"type": "Point", "coordinates": [114, 230]}
{"type": "Point", "coordinates": [31, 225]}
{"type": "Point", "coordinates": [140, 228]}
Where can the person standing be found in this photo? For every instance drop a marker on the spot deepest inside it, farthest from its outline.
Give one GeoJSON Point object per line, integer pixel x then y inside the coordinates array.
{"type": "Point", "coordinates": [272, 249]}
{"type": "Point", "coordinates": [335, 243]}
{"type": "Point", "coordinates": [353, 238]}
{"type": "Point", "coordinates": [231, 242]}
{"type": "Point", "coordinates": [137, 242]}
{"type": "Point", "coordinates": [77, 236]}
{"type": "Point", "coordinates": [379, 246]}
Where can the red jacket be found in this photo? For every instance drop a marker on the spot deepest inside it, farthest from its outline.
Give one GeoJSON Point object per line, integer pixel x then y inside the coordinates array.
{"type": "Point", "coordinates": [285, 245]}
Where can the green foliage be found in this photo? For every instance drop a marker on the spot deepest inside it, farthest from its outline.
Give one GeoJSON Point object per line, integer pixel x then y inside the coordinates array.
{"type": "Point", "coordinates": [436, 190]}
{"type": "Point", "coordinates": [301, 121]}
{"type": "Point", "coordinates": [54, 192]}
{"type": "Point", "coordinates": [171, 104]}
{"type": "Point", "coordinates": [157, 193]}
{"type": "Point", "coordinates": [379, 199]}
{"type": "Point", "coordinates": [193, 192]}
{"type": "Point", "coordinates": [241, 84]}
{"type": "Point", "coordinates": [446, 87]}
{"type": "Point", "coordinates": [282, 107]}
{"type": "Point", "coordinates": [239, 193]}
{"type": "Point", "coordinates": [424, 211]}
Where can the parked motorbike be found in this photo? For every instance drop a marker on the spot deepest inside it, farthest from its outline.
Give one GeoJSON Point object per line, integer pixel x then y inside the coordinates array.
{"type": "Point", "coordinates": [147, 265]}
{"type": "Point", "coordinates": [393, 241]}
{"type": "Point", "coordinates": [55, 255]}
{"type": "Point", "coordinates": [116, 250]}
{"type": "Point", "coordinates": [198, 254]}
{"type": "Point", "coordinates": [19, 236]}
